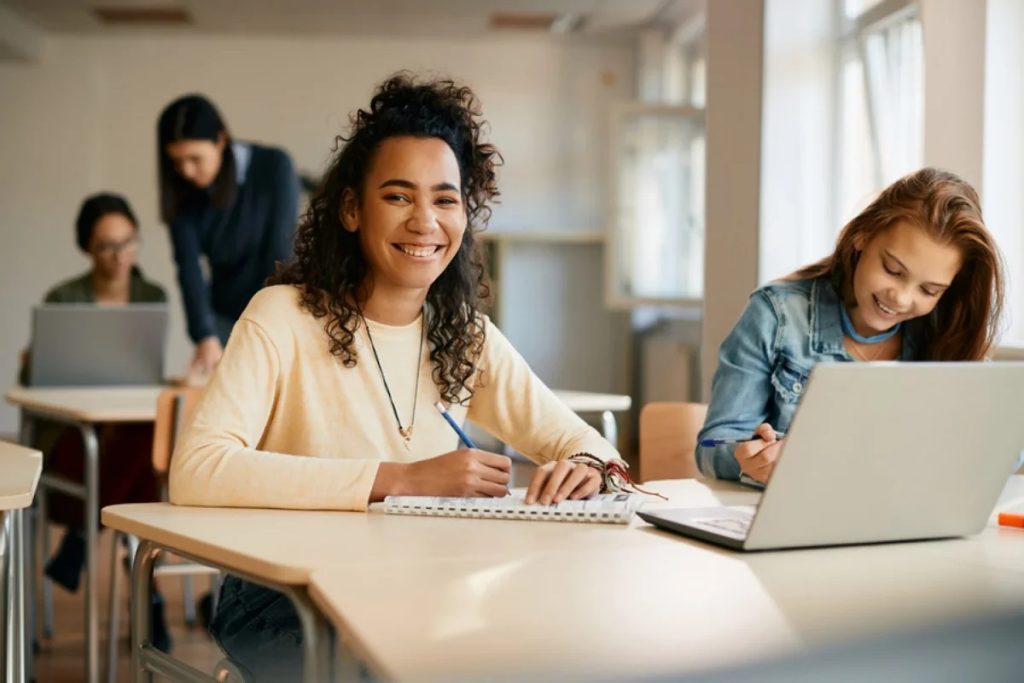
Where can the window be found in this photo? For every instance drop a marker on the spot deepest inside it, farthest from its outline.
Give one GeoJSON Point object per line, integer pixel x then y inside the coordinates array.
{"type": "Point", "coordinates": [880, 124]}
{"type": "Point", "coordinates": [657, 245]}
{"type": "Point", "coordinates": [843, 117]}
{"type": "Point", "coordinates": [656, 240]}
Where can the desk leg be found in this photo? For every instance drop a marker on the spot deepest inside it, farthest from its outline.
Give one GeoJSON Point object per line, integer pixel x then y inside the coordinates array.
{"type": "Point", "coordinates": [6, 570]}
{"type": "Point", "coordinates": [317, 656]}
{"type": "Point", "coordinates": [92, 483]}
{"type": "Point", "coordinates": [610, 428]}
{"type": "Point", "coordinates": [142, 597]}
{"type": "Point", "coordinates": [19, 651]}
{"type": "Point", "coordinates": [27, 436]}
{"type": "Point", "coordinates": [12, 597]}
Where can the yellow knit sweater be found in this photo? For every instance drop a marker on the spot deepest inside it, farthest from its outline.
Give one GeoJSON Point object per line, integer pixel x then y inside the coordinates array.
{"type": "Point", "coordinates": [283, 424]}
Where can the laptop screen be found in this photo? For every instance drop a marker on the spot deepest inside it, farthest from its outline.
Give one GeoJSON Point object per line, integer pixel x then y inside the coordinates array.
{"type": "Point", "coordinates": [89, 345]}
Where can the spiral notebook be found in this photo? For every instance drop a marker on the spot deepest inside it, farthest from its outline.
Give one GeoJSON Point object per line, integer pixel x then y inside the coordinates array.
{"type": "Point", "coordinates": [607, 508]}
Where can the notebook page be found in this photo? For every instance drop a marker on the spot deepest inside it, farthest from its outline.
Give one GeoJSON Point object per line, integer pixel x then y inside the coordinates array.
{"type": "Point", "coordinates": [614, 508]}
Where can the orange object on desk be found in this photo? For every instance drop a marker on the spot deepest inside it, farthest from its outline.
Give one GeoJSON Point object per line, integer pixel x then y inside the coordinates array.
{"type": "Point", "coordinates": [1011, 519]}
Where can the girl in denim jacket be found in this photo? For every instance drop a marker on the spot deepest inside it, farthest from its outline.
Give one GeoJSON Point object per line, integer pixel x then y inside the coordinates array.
{"type": "Point", "coordinates": [915, 276]}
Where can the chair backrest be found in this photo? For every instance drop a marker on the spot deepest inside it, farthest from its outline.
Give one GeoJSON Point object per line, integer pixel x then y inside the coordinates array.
{"type": "Point", "coordinates": [668, 440]}
{"type": "Point", "coordinates": [174, 408]}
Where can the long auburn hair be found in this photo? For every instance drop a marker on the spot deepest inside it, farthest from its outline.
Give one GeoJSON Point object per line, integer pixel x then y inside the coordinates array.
{"type": "Point", "coordinates": [329, 266]}
{"type": "Point", "coordinates": [965, 324]}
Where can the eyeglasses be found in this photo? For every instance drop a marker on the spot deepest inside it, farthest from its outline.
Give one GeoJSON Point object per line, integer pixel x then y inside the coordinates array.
{"type": "Point", "coordinates": [112, 248]}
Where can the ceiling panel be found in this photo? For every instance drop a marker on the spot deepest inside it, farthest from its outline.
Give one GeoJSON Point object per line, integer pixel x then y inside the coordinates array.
{"type": "Point", "coordinates": [427, 18]}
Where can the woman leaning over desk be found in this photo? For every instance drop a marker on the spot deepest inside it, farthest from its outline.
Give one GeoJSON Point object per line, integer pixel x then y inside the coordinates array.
{"type": "Point", "coordinates": [325, 396]}
{"type": "Point", "coordinates": [233, 203]}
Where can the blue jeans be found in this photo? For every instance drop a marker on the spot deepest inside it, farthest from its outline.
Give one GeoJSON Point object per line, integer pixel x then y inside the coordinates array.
{"type": "Point", "coordinates": [259, 629]}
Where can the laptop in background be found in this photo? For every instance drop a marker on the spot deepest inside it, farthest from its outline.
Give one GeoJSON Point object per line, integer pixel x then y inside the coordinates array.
{"type": "Point", "coordinates": [879, 452]}
{"type": "Point", "coordinates": [90, 345]}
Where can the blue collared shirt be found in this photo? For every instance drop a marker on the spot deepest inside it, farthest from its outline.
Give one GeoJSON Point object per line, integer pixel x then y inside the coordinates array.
{"type": "Point", "coordinates": [763, 365]}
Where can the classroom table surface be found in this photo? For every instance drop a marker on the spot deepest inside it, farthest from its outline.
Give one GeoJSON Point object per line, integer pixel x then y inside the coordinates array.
{"type": "Point", "coordinates": [589, 402]}
{"type": "Point", "coordinates": [89, 404]}
{"type": "Point", "coordinates": [19, 474]}
{"type": "Point", "coordinates": [286, 546]}
{"type": "Point", "coordinates": [440, 598]}
{"type": "Point", "coordinates": [656, 603]}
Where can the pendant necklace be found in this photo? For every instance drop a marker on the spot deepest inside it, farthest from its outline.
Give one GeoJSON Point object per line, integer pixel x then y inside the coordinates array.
{"type": "Point", "coordinates": [406, 431]}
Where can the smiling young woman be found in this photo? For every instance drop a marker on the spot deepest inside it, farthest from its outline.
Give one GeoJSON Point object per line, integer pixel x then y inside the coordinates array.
{"type": "Point", "coordinates": [915, 276]}
{"type": "Point", "coordinates": [324, 398]}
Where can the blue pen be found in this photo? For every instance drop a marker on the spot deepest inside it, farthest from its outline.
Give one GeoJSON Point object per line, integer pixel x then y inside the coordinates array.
{"type": "Point", "coordinates": [455, 425]}
{"type": "Point", "coordinates": [711, 443]}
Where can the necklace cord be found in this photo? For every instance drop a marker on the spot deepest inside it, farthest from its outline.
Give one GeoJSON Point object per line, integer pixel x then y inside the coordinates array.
{"type": "Point", "coordinates": [406, 432]}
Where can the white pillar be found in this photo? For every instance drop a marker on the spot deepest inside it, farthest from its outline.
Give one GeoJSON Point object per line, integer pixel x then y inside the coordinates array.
{"type": "Point", "coordinates": [735, 35]}
{"type": "Point", "coordinates": [953, 33]}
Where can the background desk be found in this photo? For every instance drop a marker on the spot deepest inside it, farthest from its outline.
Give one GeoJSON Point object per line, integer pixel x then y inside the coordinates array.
{"type": "Point", "coordinates": [19, 475]}
{"type": "Point", "coordinates": [606, 405]}
{"type": "Point", "coordinates": [650, 602]}
{"type": "Point", "coordinates": [83, 408]}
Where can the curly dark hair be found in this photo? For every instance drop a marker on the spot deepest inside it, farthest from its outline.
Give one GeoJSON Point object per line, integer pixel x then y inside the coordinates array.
{"type": "Point", "coordinates": [329, 266]}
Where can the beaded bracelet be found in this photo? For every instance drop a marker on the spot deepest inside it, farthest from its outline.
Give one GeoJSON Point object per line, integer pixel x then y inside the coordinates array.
{"type": "Point", "coordinates": [614, 474]}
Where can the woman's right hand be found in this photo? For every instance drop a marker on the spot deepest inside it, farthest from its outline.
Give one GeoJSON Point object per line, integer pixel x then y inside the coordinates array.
{"type": "Point", "coordinates": [207, 355]}
{"type": "Point", "coordinates": [757, 457]}
{"type": "Point", "coordinates": [465, 472]}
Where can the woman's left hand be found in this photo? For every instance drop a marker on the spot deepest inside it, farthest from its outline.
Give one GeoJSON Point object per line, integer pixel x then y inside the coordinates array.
{"type": "Point", "coordinates": [560, 480]}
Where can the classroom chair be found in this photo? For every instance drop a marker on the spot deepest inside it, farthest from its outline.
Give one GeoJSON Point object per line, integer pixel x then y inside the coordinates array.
{"type": "Point", "coordinates": [668, 440]}
{"type": "Point", "coordinates": [174, 409]}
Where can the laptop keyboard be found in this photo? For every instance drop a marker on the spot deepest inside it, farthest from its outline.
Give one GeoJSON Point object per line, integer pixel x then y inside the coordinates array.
{"type": "Point", "coordinates": [736, 525]}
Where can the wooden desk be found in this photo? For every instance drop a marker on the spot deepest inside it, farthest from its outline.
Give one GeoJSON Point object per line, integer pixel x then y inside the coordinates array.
{"type": "Point", "coordinates": [19, 475]}
{"type": "Point", "coordinates": [656, 603]}
{"type": "Point", "coordinates": [604, 404]}
{"type": "Point", "coordinates": [83, 408]}
{"type": "Point", "coordinates": [442, 598]}
{"type": "Point", "coordinates": [282, 548]}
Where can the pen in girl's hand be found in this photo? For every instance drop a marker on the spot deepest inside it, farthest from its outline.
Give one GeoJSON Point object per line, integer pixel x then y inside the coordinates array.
{"type": "Point", "coordinates": [711, 443]}
{"type": "Point", "coordinates": [455, 425]}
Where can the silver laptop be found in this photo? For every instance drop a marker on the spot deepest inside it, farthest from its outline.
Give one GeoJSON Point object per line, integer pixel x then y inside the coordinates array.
{"type": "Point", "coordinates": [89, 345]}
{"type": "Point", "coordinates": [880, 452]}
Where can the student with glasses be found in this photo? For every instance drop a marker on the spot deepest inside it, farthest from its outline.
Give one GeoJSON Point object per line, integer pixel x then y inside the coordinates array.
{"type": "Point", "coordinates": [108, 233]}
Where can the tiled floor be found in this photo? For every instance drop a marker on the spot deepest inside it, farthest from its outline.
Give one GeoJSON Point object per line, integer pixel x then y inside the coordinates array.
{"type": "Point", "coordinates": [60, 659]}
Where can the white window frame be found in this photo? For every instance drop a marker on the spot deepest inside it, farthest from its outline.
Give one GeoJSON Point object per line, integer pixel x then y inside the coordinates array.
{"type": "Point", "coordinates": [615, 297]}
{"type": "Point", "coordinates": [851, 35]}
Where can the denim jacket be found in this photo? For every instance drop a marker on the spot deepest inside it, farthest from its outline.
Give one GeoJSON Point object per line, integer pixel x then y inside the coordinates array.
{"type": "Point", "coordinates": [764, 363]}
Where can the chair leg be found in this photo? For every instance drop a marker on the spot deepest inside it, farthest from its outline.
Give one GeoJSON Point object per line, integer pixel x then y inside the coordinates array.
{"type": "Point", "coordinates": [215, 581]}
{"type": "Point", "coordinates": [133, 547]}
{"type": "Point", "coordinates": [114, 613]}
{"type": "Point", "coordinates": [189, 598]}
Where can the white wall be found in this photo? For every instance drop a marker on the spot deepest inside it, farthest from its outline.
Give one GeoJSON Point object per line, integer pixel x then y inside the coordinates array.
{"type": "Point", "coordinates": [83, 118]}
